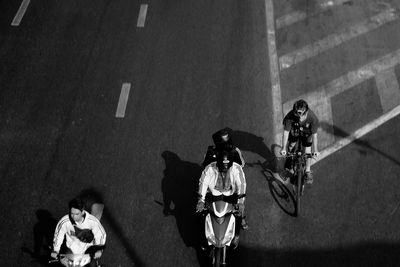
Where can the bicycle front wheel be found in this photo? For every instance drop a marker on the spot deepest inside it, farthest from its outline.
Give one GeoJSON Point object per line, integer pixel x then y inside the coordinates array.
{"type": "Point", "coordinates": [299, 189]}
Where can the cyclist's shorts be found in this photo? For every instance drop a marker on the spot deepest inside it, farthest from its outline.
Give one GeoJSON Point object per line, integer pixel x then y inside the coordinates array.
{"type": "Point", "coordinates": [305, 141]}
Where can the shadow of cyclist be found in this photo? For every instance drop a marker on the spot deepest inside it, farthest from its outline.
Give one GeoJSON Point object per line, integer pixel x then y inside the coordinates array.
{"type": "Point", "coordinates": [343, 134]}
{"type": "Point", "coordinates": [250, 142]}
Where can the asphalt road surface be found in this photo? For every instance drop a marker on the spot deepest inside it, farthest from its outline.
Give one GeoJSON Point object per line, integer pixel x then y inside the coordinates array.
{"type": "Point", "coordinates": [193, 68]}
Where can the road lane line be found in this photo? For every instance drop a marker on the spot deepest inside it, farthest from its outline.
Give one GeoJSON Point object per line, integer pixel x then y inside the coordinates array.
{"type": "Point", "coordinates": [359, 133]}
{"type": "Point", "coordinates": [142, 15]}
{"type": "Point", "coordinates": [353, 78]}
{"type": "Point", "coordinates": [274, 72]}
{"type": "Point", "coordinates": [388, 89]}
{"type": "Point", "coordinates": [21, 12]}
{"type": "Point", "coordinates": [297, 16]}
{"type": "Point", "coordinates": [123, 100]}
{"type": "Point", "coordinates": [334, 40]}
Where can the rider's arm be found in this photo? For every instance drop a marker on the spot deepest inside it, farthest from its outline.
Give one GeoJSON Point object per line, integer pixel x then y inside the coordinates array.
{"type": "Point", "coordinates": [315, 143]}
{"type": "Point", "coordinates": [241, 183]}
{"type": "Point", "coordinates": [99, 234]}
{"type": "Point", "coordinates": [240, 157]}
{"type": "Point", "coordinates": [59, 233]}
{"type": "Point", "coordinates": [285, 138]}
{"type": "Point", "coordinates": [203, 183]}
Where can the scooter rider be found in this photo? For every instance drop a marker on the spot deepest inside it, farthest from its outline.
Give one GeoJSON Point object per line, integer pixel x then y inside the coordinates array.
{"type": "Point", "coordinates": [223, 178]}
{"type": "Point", "coordinates": [81, 231]}
{"type": "Point", "coordinates": [223, 142]}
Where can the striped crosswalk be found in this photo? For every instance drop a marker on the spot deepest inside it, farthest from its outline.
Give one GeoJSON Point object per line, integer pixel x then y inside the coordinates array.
{"type": "Point", "coordinates": [381, 70]}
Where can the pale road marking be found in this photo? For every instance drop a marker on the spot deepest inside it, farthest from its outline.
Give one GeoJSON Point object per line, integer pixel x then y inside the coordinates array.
{"type": "Point", "coordinates": [333, 40]}
{"type": "Point", "coordinates": [274, 72]}
{"type": "Point", "coordinates": [142, 15]}
{"type": "Point", "coordinates": [388, 89]}
{"type": "Point", "coordinates": [380, 69]}
{"type": "Point", "coordinates": [352, 78]}
{"type": "Point", "coordinates": [297, 16]}
{"type": "Point", "coordinates": [359, 133]}
{"type": "Point", "coordinates": [123, 100]}
{"type": "Point", "coordinates": [21, 12]}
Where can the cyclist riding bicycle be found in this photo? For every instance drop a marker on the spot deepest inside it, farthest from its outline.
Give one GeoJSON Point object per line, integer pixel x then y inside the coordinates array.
{"type": "Point", "coordinates": [301, 124]}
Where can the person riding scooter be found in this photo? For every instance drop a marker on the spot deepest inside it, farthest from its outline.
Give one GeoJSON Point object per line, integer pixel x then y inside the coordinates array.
{"type": "Point", "coordinates": [223, 142]}
{"type": "Point", "coordinates": [82, 231]}
{"type": "Point", "coordinates": [223, 178]}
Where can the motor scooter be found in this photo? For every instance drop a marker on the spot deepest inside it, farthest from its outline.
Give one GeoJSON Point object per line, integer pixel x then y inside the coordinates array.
{"type": "Point", "coordinates": [80, 260]}
{"type": "Point", "coordinates": [220, 228]}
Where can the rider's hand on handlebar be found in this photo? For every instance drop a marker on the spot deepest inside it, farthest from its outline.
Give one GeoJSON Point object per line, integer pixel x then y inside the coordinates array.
{"type": "Point", "coordinates": [97, 254]}
{"type": "Point", "coordinates": [54, 254]}
{"type": "Point", "coordinates": [283, 152]}
{"type": "Point", "coordinates": [200, 206]}
{"type": "Point", "coordinates": [240, 207]}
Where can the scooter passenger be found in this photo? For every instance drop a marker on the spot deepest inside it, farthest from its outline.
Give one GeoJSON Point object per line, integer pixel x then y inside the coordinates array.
{"type": "Point", "coordinates": [223, 178]}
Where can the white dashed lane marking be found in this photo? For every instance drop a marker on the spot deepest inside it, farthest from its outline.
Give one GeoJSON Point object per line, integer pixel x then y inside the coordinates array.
{"type": "Point", "coordinates": [142, 15]}
{"type": "Point", "coordinates": [123, 100]}
{"type": "Point", "coordinates": [20, 14]}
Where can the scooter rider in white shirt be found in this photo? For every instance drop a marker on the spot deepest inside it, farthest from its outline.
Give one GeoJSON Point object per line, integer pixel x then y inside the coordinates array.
{"type": "Point", "coordinates": [81, 231]}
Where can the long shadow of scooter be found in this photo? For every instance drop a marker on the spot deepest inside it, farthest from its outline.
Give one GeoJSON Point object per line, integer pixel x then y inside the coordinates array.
{"type": "Point", "coordinates": [179, 188]}
{"type": "Point", "coordinates": [43, 231]}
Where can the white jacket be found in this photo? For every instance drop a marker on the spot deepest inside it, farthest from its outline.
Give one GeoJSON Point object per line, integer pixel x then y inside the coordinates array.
{"type": "Point", "coordinates": [66, 228]}
{"type": "Point", "coordinates": [209, 182]}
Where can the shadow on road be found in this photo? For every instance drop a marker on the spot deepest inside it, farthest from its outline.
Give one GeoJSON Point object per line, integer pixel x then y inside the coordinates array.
{"type": "Point", "coordinates": [343, 134]}
{"type": "Point", "coordinates": [250, 142]}
{"type": "Point", "coordinates": [43, 232]}
{"type": "Point", "coordinates": [371, 254]}
{"type": "Point", "coordinates": [90, 196]}
{"type": "Point", "coordinates": [179, 187]}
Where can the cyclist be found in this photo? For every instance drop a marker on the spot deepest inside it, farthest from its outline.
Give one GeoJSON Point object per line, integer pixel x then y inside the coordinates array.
{"type": "Point", "coordinates": [301, 124]}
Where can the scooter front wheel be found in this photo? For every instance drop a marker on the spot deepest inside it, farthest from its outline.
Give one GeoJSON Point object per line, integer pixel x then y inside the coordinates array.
{"type": "Point", "coordinates": [217, 257]}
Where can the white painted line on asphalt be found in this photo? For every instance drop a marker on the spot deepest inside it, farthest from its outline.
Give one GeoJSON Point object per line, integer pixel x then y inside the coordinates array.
{"type": "Point", "coordinates": [334, 40]}
{"type": "Point", "coordinates": [21, 12]}
{"type": "Point", "coordinates": [274, 72]}
{"type": "Point", "coordinates": [297, 16]}
{"type": "Point", "coordinates": [352, 78]}
{"type": "Point", "coordinates": [142, 15]}
{"type": "Point", "coordinates": [123, 100]}
{"type": "Point", "coordinates": [388, 89]}
{"type": "Point", "coordinates": [359, 133]}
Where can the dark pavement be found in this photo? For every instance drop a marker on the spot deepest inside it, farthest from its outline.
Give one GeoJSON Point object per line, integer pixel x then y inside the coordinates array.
{"type": "Point", "coordinates": [195, 67]}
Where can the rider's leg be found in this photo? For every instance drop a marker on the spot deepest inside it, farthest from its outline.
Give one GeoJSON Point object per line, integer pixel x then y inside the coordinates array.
{"type": "Point", "coordinates": [291, 145]}
{"type": "Point", "coordinates": [307, 150]}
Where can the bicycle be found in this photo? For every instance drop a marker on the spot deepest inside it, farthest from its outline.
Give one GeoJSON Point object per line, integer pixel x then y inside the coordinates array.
{"type": "Point", "coordinates": [298, 164]}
